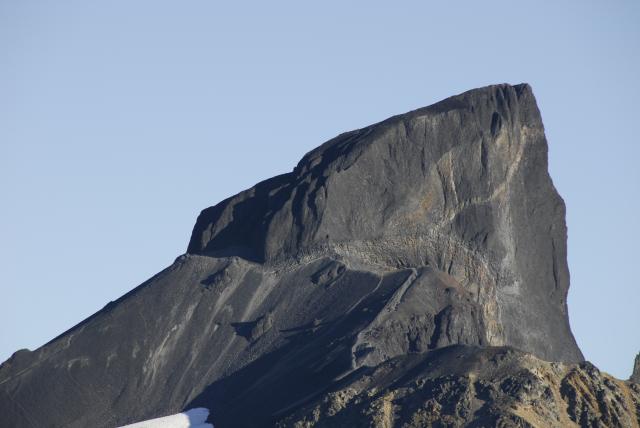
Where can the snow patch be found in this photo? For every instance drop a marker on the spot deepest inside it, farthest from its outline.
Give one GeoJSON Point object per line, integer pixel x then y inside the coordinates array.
{"type": "Point", "coordinates": [193, 418]}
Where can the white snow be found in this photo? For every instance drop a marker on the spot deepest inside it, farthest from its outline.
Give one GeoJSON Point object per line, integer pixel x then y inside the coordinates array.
{"type": "Point", "coordinates": [193, 418]}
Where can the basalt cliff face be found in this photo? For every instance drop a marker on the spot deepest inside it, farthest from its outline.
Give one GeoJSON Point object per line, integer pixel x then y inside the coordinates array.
{"type": "Point", "coordinates": [411, 273]}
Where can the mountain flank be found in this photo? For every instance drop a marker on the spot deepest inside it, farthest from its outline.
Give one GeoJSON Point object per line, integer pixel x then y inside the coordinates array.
{"type": "Point", "coordinates": [410, 273]}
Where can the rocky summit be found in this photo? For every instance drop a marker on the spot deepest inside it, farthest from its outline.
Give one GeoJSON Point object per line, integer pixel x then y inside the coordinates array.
{"type": "Point", "coordinates": [411, 273]}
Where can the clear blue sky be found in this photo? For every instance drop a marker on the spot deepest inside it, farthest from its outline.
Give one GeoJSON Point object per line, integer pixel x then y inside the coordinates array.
{"type": "Point", "coordinates": [121, 120]}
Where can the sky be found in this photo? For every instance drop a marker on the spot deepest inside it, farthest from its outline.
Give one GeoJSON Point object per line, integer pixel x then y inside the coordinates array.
{"type": "Point", "coordinates": [121, 120]}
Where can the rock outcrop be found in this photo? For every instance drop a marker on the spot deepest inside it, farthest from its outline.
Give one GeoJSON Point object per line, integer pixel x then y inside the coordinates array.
{"type": "Point", "coordinates": [422, 258]}
{"type": "Point", "coordinates": [635, 375]}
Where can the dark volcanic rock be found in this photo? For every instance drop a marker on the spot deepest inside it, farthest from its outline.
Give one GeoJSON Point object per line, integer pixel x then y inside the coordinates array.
{"type": "Point", "coordinates": [461, 186]}
{"type": "Point", "coordinates": [435, 228]}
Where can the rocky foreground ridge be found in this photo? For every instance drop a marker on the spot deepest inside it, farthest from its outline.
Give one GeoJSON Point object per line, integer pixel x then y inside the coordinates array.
{"type": "Point", "coordinates": [480, 387]}
{"type": "Point", "coordinates": [411, 273]}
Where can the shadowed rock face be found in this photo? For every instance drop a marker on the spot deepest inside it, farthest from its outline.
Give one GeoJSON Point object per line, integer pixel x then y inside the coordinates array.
{"type": "Point", "coordinates": [435, 228]}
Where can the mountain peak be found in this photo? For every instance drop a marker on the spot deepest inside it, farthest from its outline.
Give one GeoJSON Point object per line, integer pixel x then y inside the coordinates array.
{"type": "Point", "coordinates": [460, 186]}
{"type": "Point", "coordinates": [426, 246]}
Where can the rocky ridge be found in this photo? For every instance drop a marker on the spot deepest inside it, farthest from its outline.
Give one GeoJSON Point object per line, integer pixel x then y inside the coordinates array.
{"type": "Point", "coordinates": [463, 386]}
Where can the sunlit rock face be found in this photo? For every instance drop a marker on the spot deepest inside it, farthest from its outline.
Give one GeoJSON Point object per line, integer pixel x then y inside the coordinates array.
{"type": "Point", "coordinates": [461, 386]}
{"type": "Point", "coordinates": [437, 228]}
